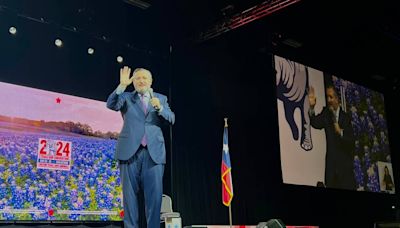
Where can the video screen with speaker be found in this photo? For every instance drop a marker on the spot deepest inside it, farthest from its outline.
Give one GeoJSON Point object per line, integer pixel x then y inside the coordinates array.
{"type": "Point", "coordinates": [56, 157]}
{"type": "Point", "coordinates": [332, 132]}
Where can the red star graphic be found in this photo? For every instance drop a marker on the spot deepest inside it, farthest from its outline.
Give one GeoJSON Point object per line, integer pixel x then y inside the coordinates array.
{"type": "Point", "coordinates": [51, 212]}
{"type": "Point", "coordinates": [58, 100]}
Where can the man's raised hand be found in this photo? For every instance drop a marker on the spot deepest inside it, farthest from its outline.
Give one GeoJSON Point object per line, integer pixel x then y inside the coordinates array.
{"type": "Point", "coordinates": [124, 76]}
{"type": "Point", "coordinates": [311, 97]}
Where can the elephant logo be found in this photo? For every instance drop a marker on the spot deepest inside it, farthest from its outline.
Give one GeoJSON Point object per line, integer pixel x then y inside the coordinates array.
{"type": "Point", "coordinates": [292, 84]}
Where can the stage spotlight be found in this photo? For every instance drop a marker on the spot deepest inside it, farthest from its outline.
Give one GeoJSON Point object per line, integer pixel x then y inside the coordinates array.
{"type": "Point", "coordinates": [120, 59]}
{"type": "Point", "coordinates": [90, 51]}
{"type": "Point", "coordinates": [58, 42]}
{"type": "Point", "coordinates": [12, 30]}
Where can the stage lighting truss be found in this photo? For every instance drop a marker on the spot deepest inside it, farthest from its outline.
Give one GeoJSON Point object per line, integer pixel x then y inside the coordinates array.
{"type": "Point", "coordinates": [245, 17]}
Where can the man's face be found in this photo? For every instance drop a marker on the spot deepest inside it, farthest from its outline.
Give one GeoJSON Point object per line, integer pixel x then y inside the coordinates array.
{"type": "Point", "coordinates": [333, 101]}
{"type": "Point", "coordinates": [142, 81]}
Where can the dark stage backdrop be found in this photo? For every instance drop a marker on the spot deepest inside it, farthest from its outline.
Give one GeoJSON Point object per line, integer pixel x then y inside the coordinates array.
{"type": "Point", "coordinates": [230, 76]}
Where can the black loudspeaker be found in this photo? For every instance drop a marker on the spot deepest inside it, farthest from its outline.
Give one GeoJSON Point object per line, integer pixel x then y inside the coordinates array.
{"type": "Point", "coordinates": [272, 223]}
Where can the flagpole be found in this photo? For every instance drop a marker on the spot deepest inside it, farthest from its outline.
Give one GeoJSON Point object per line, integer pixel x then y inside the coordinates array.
{"type": "Point", "coordinates": [230, 215]}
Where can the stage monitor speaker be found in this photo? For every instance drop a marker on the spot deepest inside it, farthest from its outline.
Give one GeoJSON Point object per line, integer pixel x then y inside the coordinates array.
{"type": "Point", "coordinates": [272, 223]}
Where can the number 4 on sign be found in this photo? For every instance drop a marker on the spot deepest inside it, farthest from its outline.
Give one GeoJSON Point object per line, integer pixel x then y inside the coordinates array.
{"type": "Point", "coordinates": [67, 149]}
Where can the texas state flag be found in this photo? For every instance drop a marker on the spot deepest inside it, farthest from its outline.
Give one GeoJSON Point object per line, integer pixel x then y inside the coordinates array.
{"type": "Point", "coordinates": [226, 176]}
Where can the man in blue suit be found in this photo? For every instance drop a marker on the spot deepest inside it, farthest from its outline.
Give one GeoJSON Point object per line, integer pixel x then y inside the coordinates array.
{"type": "Point", "coordinates": [141, 148]}
{"type": "Point", "coordinates": [339, 160]}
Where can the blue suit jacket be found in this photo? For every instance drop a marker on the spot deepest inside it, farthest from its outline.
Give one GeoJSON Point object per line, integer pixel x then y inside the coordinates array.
{"type": "Point", "coordinates": [339, 168]}
{"type": "Point", "coordinates": [137, 123]}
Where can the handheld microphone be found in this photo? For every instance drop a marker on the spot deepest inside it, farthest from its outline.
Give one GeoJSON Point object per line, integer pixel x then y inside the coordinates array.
{"type": "Point", "coordinates": [151, 97]}
{"type": "Point", "coordinates": [151, 92]}
{"type": "Point", "coordinates": [333, 112]}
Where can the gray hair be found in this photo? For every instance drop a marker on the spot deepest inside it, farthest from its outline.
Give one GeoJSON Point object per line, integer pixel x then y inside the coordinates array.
{"type": "Point", "coordinates": [142, 69]}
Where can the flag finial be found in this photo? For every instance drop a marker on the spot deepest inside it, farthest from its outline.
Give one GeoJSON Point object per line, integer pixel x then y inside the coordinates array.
{"type": "Point", "coordinates": [226, 122]}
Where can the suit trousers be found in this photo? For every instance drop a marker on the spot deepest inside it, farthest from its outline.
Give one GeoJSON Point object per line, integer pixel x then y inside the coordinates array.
{"type": "Point", "coordinates": [138, 173]}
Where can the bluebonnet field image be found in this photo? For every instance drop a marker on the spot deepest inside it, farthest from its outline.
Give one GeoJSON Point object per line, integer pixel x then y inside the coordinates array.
{"type": "Point", "coordinates": [370, 130]}
{"type": "Point", "coordinates": [91, 190]}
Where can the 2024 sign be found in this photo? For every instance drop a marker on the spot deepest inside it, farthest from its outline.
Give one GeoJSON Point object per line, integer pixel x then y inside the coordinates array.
{"type": "Point", "coordinates": [54, 154]}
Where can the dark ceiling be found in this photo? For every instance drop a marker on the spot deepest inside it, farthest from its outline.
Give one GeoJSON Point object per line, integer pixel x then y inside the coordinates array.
{"type": "Point", "coordinates": [361, 39]}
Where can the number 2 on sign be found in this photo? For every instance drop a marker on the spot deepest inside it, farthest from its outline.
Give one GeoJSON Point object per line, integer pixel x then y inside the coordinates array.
{"type": "Point", "coordinates": [43, 144]}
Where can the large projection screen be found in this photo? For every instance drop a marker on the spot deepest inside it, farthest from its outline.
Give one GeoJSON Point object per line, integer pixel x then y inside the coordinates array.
{"type": "Point", "coordinates": [343, 146]}
{"type": "Point", "coordinates": [56, 157]}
